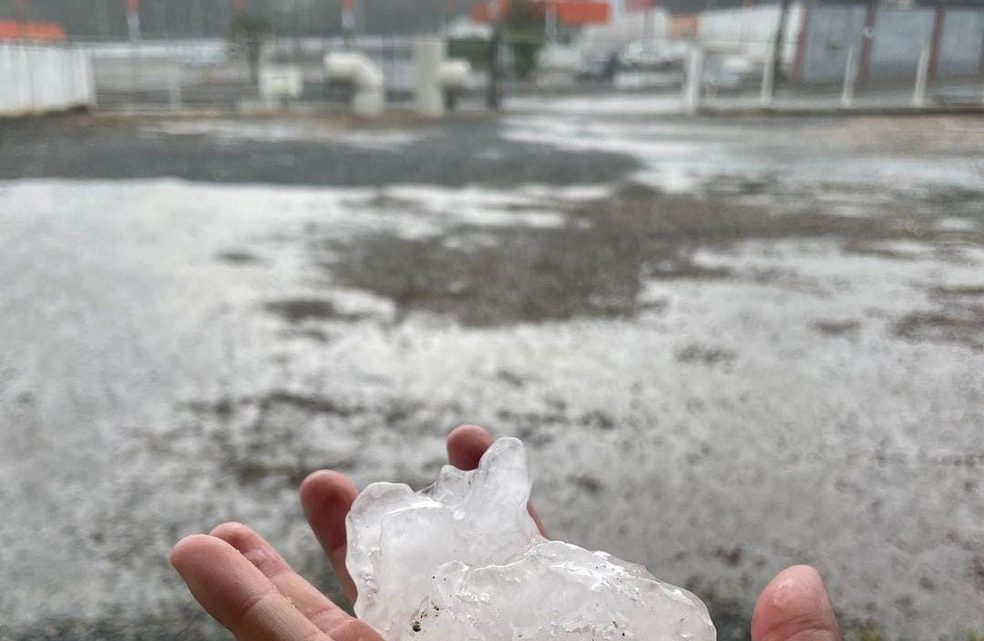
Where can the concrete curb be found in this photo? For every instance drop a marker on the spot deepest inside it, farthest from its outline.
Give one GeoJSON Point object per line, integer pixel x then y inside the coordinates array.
{"type": "Point", "coordinates": [812, 111]}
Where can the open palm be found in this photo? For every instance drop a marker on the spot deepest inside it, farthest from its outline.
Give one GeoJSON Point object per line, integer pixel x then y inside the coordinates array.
{"type": "Point", "coordinates": [237, 576]}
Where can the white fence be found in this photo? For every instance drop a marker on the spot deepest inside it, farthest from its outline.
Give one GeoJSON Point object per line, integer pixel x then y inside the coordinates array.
{"type": "Point", "coordinates": [36, 79]}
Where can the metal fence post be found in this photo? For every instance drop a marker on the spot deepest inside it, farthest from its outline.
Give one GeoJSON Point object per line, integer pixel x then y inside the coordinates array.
{"type": "Point", "coordinates": [850, 77]}
{"type": "Point", "coordinates": [695, 74]}
{"type": "Point", "coordinates": [769, 76]}
{"type": "Point", "coordinates": [922, 78]}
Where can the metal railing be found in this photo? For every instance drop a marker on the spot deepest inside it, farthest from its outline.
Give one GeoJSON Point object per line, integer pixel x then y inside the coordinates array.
{"type": "Point", "coordinates": [216, 74]}
{"type": "Point", "coordinates": [747, 73]}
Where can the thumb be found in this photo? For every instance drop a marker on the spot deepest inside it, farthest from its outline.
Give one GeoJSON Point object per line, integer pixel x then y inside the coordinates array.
{"type": "Point", "coordinates": [355, 630]}
{"type": "Point", "coordinates": [795, 606]}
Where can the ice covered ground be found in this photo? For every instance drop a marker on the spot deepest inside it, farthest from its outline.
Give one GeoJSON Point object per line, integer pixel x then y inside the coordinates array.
{"type": "Point", "coordinates": [706, 385]}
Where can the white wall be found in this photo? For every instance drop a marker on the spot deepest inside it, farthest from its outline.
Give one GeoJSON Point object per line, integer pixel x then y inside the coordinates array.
{"type": "Point", "coordinates": [900, 37]}
{"type": "Point", "coordinates": [897, 41]}
{"type": "Point", "coordinates": [962, 42]}
{"type": "Point", "coordinates": [750, 30]}
{"type": "Point", "coordinates": [833, 30]}
{"type": "Point", "coordinates": [41, 78]}
{"type": "Point", "coordinates": [623, 28]}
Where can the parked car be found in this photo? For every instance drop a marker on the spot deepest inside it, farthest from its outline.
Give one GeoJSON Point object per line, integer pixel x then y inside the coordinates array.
{"type": "Point", "coordinates": [597, 67]}
{"type": "Point", "coordinates": [730, 72]}
{"type": "Point", "coordinates": [654, 55]}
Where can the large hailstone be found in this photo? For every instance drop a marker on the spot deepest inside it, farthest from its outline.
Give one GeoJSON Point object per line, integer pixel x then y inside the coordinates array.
{"type": "Point", "coordinates": [463, 561]}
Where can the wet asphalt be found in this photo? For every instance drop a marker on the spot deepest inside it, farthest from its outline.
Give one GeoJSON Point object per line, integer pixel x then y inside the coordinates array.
{"type": "Point", "coordinates": [730, 345]}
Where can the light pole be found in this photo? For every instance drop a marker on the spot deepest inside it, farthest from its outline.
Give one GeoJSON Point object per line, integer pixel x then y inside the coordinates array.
{"type": "Point", "coordinates": [133, 19]}
{"type": "Point", "coordinates": [348, 22]}
{"type": "Point", "coordinates": [777, 42]}
{"type": "Point", "coordinates": [493, 92]}
{"type": "Point", "coordinates": [20, 7]}
{"type": "Point", "coordinates": [450, 9]}
{"type": "Point", "coordinates": [102, 19]}
{"type": "Point", "coordinates": [551, 21]}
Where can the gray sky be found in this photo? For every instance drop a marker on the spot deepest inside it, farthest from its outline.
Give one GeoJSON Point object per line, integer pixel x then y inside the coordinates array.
{"type": "Point", "coordinates": [193, 18]}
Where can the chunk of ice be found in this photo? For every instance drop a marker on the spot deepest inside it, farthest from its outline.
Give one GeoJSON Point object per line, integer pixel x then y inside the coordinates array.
{"type": "Point", "coordinates": [463, 561]}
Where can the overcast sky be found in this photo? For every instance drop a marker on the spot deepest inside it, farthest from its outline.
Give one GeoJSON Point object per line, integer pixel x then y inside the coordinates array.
{"type": "Point", "coordinates": [192, 18]}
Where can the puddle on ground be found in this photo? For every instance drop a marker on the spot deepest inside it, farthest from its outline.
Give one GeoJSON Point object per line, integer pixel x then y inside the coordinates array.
{"type": "Point", "coordinates": [958, 317]}
{"type": "Point", "coordinates": [594, 265]}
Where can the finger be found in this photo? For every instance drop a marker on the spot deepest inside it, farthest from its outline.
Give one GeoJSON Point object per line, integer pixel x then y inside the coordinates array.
{"type": "Point", "coordinates": [795, 606]}
{"type": "Point", "coordinates": [466, 445]}
{"type": "Point", "coordinates": [233, 591]}
{"type": "Point", "coordinates": [326, 497]}
{"type": "Point", "coordinates": [318, 608]}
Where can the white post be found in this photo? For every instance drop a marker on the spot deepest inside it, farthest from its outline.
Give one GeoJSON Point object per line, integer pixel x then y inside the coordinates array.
{"type": "Point", "coordinates": [922, 78]}
{"type": "Point", "coordinates": [428, 54]}
{"type": "Point", "coordinates": [174, 87]}
{"type": "Point", "coordinates": [30, 57]}
{"type": "Point", "coordinates": [67, 89]}
{"type": "Point", "coordinates": [768, 76]}
{"type": "Point", "coordinates": [850, 77]}
{"type": "Point", "coordinates": [695, 76]}
{"type": "Point", "coordinates": [89, 74]}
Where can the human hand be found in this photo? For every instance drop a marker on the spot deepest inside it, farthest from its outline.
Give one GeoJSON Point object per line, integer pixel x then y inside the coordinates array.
{"type": "Point", "coordinates": [240, 580]}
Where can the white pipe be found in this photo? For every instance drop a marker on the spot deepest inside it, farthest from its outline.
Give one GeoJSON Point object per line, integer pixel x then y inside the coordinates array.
{"type": "Point", "coordinates": [454, 73]}
{"type": "Point", "coordinates": [453, 78]}
{"type": "Point", "coordinates": [280, 82]}
{"type": "Point", "coordinates": [368, 97]}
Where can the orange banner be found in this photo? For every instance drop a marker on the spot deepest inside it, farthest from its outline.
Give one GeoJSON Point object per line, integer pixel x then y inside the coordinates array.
{"type": "Point", "coordinates": [13, 30]}
{"type": "Point", "coordinates": [575, 12]}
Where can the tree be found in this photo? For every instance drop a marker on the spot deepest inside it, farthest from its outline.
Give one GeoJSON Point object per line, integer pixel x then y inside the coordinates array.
{"type": "Point", "coordinates": [247, 33]}
{"type": "Point", "coordinates": [524, 31]}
